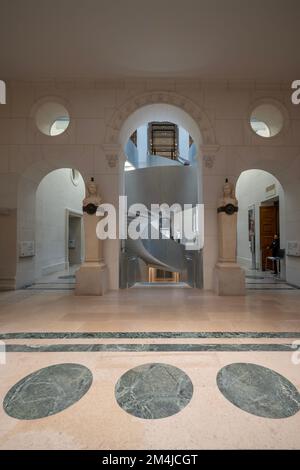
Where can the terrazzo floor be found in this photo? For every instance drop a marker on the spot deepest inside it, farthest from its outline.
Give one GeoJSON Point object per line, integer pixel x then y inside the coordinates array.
{"type": "Point", "coordinates": [150, 368]}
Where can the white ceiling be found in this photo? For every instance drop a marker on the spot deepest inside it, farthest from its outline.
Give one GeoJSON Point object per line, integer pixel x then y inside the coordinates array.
{"type": "Point", "coordinates": [256, 39]}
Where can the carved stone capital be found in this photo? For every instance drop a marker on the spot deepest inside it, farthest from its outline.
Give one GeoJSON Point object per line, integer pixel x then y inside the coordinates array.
{"type": "Point", "coordinates": [112, 160]}
{"type": "Point", "coordinates": [112, 153]}
{"type": "Point", "coordinates": [209, 154]}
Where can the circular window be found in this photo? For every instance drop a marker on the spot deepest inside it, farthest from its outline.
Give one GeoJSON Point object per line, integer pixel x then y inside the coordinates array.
{"type": "Point", "coordinates": [266, 120]}
{"type": "Point", "coordinates": [52, 118]}
{"type": "Point", "coordinates": [75, 176]}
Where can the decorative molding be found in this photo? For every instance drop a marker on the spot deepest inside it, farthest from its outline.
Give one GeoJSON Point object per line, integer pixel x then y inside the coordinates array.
{"type": "Point", "coordinates": [209, 161]}
{"type": "Point", "coordinates": [156, 97]}
{"type": "Point", "coordinates": [139, 83]}
{"type": "Point", "coordinates": [209, 154]}
{"type": "Point", "coordinates": [112, 153]}
{"type": "Point", "coordinates": [112, 160]}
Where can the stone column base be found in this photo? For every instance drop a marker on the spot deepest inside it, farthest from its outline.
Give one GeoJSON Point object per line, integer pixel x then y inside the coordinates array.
{"type": "Point", "coordinates": [91, 279]}
{"type": "Point", "coordinates": [7, 284]}
{"type": "Point", "coordinates": [229, 279]}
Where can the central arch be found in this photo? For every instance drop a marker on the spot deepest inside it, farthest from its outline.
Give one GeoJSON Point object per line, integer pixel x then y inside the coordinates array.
{"type": "Point", "coordinates": [159, 106]}
{"type": "Point", "coordinates": [201, 123]}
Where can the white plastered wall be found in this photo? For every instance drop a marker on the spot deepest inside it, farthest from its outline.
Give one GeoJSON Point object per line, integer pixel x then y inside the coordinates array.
{"type": "Point", "coordinates": [56, 195]}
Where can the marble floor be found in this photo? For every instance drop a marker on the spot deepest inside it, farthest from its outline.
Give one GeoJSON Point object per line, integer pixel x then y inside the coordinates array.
{"type": "Point", "coordinates": [149, 368]}
{"type": "Point", "coordinates": [65, 280]}
{"type": "Point", "coordinates": [62, 280]}
{"type": "Point", "coordinates": [265, 280]}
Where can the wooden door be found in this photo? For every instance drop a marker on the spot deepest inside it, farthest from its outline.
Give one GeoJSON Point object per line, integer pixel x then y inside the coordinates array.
{"type": "Point", "coordinates": [268, 228]}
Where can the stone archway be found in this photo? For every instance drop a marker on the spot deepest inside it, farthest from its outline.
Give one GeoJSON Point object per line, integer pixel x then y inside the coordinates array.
{"type": "Point", "coordinates": [112, 142]}
{"type": "Point", "coordinates": [199, 126]}
{"type": "Point", "coordinates": [28, 184]}
{"type": "Point", "coordinates": [269, 195]}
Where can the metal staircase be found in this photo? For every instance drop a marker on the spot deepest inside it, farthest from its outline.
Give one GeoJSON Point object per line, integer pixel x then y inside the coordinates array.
{"type": "Point", "coordinates": [159, 181]}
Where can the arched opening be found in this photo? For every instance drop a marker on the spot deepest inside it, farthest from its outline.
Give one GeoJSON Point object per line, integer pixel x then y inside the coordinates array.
{"type": "Point", "coordinates": [50, 229]}
{"type": "Point", "coordinates": [161, 146]}
{"type": "Point", "coordinates": [261, 230]}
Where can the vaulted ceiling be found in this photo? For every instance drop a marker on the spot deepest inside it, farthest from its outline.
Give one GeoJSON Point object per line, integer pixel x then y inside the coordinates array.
{"type": "Point", "coordinates": [256, 39]}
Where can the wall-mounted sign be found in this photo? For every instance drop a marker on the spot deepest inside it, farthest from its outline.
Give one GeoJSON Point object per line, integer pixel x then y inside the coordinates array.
{"type": "Point", "coordinates": [26, 249]}
{"type": "Point", "coordinates": [293, 248]}
{"type": "Point", "coordinates": [271, 190]}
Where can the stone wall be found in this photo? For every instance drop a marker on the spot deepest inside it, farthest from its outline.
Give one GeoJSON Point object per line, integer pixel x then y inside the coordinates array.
{"type": "Point", "coordinates": [92, 144]}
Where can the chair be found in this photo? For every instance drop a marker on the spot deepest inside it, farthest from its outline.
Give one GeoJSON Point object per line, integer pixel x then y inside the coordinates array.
{"type": "Point", "coordinates": [275, 259]}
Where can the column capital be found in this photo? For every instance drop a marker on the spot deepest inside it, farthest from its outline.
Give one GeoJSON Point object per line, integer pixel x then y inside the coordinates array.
{"type": "Point", "coordinates": [209, 154]}
{"type": "Point", "coordinates": [112, 154]}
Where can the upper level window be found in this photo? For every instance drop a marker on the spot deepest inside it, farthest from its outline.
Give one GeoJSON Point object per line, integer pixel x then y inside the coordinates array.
{"type": "Point", "coordinates": [163, 139]}
{"type": "Point", "coordinates": [59, 125]}
{"type": "Point", "coordinates": [52, 118]}
{"type": "Point", "coordinates": [260, 128]}
{"type": "Point", "coordinates": [128, 166]}
{"type": "Point", "coordinates": [267, 119]}
{"type": "Point", "coordinates": [133, 137]}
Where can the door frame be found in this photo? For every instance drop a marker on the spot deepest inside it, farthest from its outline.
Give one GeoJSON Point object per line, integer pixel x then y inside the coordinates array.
{"type": "Point", "coordinates": [275, 203]}
{"type": "Point", "coordinates": [79, 214]}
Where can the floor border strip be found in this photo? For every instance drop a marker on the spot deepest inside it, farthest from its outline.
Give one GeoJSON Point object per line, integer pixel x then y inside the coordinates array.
{"type": "Point", "coordinates": [148, 334]}
{"type": "Point", "coordinates": [147, 347]}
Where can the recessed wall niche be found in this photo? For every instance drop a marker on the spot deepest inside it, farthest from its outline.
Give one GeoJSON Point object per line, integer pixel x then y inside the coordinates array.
{"type": "Point", "coordinates": [52, 118]}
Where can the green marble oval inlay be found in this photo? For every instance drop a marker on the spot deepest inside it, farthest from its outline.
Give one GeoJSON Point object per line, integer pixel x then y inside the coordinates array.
{"type": "Point", "coordinates": [47, 391]}
{"type": "Point", "coordinates": [153, 391]}
{"type": "Point", "coordinates": [258, 390]}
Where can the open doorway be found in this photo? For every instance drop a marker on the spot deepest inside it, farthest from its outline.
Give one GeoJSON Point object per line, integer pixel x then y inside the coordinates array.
{"type": "Point", "coordinates": [75, 237]}
{"type": "Point", "coordinates": [58, 236]}
{"type": "Point", "coordinates": [162, 169]}
{"type": "Point", "coordinates": [161, 275]}
{"type": "Point", "coordinates": [269, 217]}
{"type": "Point", "coordinates": [261, 220]}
